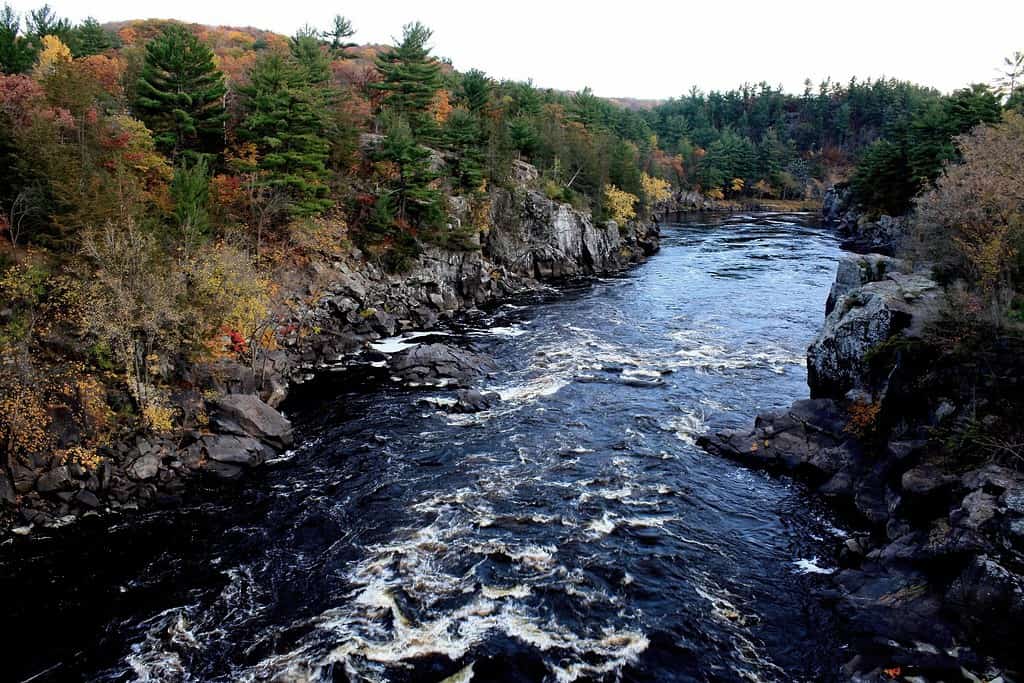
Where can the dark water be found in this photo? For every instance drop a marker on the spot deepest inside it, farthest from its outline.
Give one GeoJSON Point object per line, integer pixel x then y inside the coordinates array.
{"type": "Point", "coordinates": [572, 533]}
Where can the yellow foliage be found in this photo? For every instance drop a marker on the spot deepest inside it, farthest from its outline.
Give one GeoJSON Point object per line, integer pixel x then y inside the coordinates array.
{"type": "Point", "coordinates": [737, 185]}
{"type": "Point", "coordinates": [92, 397]}
{"type": "Point", "coordinates": [655, 189]}
{"type": "Point", "coordinates": [715, 193]}
{"type": "Point", "coordinates": [84, 456]}
{"type": "Point", "coordinates": [23, 418]}
{"type": "Point", "coordinates": [620, 205]}
{"type": "Point", "coordinates": [158, 418]}
{"type": "Point", "coordinates": [52, 54]}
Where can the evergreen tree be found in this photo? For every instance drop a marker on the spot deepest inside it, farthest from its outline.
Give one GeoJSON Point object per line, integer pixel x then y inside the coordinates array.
{"type": "Point", "coordinates": [475, 91]}
{"type": "Point", "coordinates": [411, 78]}
{"type": "Point", "coordinates": [181, 93]}
{"type": "Point", "coordinates": [463, 136]}
{"type": "Point", "coordinates": [190, 192]}
{"type": "Point", "coordinates": [416, 199]}
{"type": "Point", "coordinates": [285, 117]}
{"type": "Point", "coordinates": [16, 52]}
{"type": "Point", "coordinates": [307, 51]}
{"type": "Point", "coordinates": [89, 38]}
{"type": "Point", "coordinates": [339, 36]}
{"type": "Point", "coordinates": [45, 22]}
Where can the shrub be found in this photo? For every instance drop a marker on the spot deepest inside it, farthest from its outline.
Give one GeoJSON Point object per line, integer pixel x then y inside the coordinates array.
{"type": "Point", "coordinates": [619, 204]}
{"type": "Point", "coordinates": [972, 223]}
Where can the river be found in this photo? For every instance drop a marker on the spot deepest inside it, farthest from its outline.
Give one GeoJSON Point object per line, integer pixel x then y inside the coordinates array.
{"type": "Point", "coordinates": [573, 532]}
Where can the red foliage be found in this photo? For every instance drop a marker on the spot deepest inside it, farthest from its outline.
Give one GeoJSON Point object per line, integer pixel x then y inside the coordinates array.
{"type": "Point", "coordinates": [20, 98]}
{"type": "Point", "coordinates": [236, 342]}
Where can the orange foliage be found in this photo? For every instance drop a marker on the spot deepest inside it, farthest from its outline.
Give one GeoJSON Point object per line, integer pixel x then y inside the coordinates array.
{"type": "Point", "coordinates": [107, 71]}
{"type": "Point", "coordinates": [441, 107]}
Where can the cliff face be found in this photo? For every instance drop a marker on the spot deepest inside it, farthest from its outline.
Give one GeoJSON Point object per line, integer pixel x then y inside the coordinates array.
{"type": "Point", "coordinates": [909, 437]}
{"type": "Point", "coordinates": [348, 302]}
{"type": "Point", "coordinates": [860, 232]}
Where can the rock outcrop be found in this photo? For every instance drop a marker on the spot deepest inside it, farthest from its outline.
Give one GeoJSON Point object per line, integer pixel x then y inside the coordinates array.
{"type": "Point", "coordinates": [939, 562]}
{"type": "Point", "coordinates": [870, 303]}
{"type": "Point", "coordinates": [860, 232]}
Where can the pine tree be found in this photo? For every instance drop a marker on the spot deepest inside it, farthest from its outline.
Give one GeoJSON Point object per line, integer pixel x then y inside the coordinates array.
{"type": "Point", "coordinates": [44, 22]}
{"type": "Point", "coordinates": [89, 38]}
{"type": "Point", "coordinates": [307, 51]}
{"type": "Point", "coordinates": [190, 192]}
{"type": "Point", "coordinates": [475, 91]}
{"type": "Point", "coordinates": [463, 136]}
{"type": "Point", "coordinates": [416, 199]}
{"type": "Point", "coordinates": [181, 93]}
{"type": "Point", "coordinates": [285, 119]}
{"type": "Point", "coordinates": [339, 37]}
{"type": "Point", "coordinates": [411, 77]}
{"type": "Point", "coordinates": [16, 53]}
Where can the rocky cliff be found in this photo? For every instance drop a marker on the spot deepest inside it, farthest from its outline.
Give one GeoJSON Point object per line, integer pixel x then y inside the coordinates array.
{"type": "Point", "coordinates": [859, 231]}
{"type": "Point", "coordinates": [349, 301]}
{"type": "Point", "coordinates": [912, 438]}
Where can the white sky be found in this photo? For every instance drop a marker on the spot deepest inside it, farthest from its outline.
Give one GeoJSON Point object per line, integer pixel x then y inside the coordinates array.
{"type": "Point", "coordinates": [648, 49]}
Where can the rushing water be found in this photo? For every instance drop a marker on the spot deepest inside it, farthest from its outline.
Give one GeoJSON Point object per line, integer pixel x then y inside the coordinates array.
{"type": "Point", "coordinates": [574, 532]}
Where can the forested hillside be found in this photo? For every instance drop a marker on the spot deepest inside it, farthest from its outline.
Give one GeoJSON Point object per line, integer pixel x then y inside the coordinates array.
{"type": "Point", "coordinates": [159, 178]}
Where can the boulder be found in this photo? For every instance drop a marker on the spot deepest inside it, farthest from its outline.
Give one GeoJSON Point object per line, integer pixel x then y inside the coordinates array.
{"type": "Point", "coordinates": [439, 364]}
{"type": "Point", "coordinates": [57, 479]}
{"type": "Point", "coordinates": [975, 510]}
{"type": "Point", "coordinates": [87, 499]}
{"type": "Point", "coordinates": [925, 480]}
{"type": "Point", "coordinates": [236, 450]}
{"type": "Point", "coordinates": [254, 418]}
{"type": "Point", "coordinates": [144, 466]}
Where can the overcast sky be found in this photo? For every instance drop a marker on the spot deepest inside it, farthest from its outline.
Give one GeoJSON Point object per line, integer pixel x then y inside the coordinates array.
{"type": "Point", "coordinates": [649, 49]}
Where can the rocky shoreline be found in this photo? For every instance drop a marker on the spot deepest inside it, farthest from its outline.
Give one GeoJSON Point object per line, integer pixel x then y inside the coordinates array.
{"type": "Point", "coordinates": [931, 583]}
{"type": "Point", "coordinates": [230, 410]}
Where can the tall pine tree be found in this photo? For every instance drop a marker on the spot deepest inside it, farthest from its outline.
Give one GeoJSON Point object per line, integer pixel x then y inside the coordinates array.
{"type": "Point", "coordinates": [16, 52]}
{"type": "Point", "coordinates": [89, 38]}
{"type": "Point", "coordinates": [285, 120]}
{"type": "Point", "coordinates": [411, 78]}
{"type": "Point", "coordinates": [181, 93]}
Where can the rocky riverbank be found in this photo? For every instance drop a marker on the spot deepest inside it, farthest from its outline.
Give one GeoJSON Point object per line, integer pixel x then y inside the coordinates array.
{"type": "Point", "coordinates": [859, 231]}
{"type": "Point", "coordinates": [910, 430]}
{"type": "Point", "coordinates": [230, 409]}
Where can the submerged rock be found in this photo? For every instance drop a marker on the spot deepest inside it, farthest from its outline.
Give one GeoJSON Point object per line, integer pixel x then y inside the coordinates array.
{"type": "Point", "coordinates": [473, 401]}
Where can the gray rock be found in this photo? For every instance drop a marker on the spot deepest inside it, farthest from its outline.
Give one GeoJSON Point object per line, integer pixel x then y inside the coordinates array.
{"type": "Point", "coordinates": [437, 363]}
{"type": "Point", "coordinates": [7, 493]}
{"type": "Point", "coordinates": [225, 470]}
{"type": "Point", "coordinates": [862, 319]}
{"type": "Point", "coordinates": [144, 467]}
{"type": "Point", "coordinates": [995, 478]}
{"type": "Point", "coordinates": [57, 479]}
{"type": "Point", "coordinates": [473, 401]}
{"type": "Point", "coordinates": [256, 418]}
{"type": "Point", "coordinates": [235, 450]}
{"type": "Point", "coordinates": [975, 510]}
{"type": "Point", "coordinates": [925, 479]}
{"type": "Point", "coordinates": [24, 477]}
{"type": "Point", "coordinates": [87, 499]}
{"type": "Point", "coordinates": [855, 270]}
